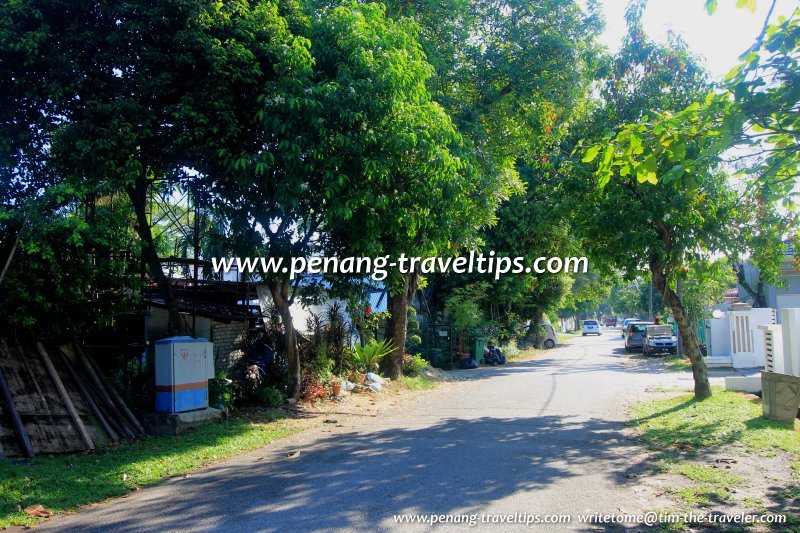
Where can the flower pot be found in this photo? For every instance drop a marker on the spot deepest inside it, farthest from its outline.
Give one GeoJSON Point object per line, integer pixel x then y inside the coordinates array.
{"type": "Point", "coordinates": [781, 396]}
{"type": "Point", "coordinates": [362, 378]}
{"type": "Point", "coordinates": [352, 377]}
{"type": "Point", "coordinates": [336, 388]}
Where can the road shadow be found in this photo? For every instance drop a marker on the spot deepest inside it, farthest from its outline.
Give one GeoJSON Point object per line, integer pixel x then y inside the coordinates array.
{"type": "Point", "coordinates": [628, 365]}
{"type": "Point", "coordinates": [350, 479]}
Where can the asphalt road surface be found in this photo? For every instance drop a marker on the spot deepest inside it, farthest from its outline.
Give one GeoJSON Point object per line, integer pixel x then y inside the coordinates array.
{"type": "Point", "coordinates": [544, 437]}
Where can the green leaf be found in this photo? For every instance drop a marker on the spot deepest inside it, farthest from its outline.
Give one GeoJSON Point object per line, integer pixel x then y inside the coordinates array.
{"type": "Point", "coordinates": [650, 164]}
{"type": "Point", "coordinates": [711, 6]}
{"type": "Point", "coordinates": [674, 173]}
{"type": "Point", "coordinates": [608, 153]}
{"type": "Point", "coordinates": [647, 177]}
{"type": "Point", "coordinates": [591, 154]}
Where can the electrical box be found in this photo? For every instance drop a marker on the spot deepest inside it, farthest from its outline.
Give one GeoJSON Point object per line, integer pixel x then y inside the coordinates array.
{"type": "Point", "coordinates": [183, 367]}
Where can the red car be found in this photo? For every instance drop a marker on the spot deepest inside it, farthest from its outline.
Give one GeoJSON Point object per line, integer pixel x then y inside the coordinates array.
{"type": "Point", "coordinates": [611, 321]}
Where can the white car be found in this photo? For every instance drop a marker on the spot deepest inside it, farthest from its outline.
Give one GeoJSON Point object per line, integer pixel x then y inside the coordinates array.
{"type": "Point", "coordinates": [591, 327]}
{"type": "Point", "coordinates": [549, 334]}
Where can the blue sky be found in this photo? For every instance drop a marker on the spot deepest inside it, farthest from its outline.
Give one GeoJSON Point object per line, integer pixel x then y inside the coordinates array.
{"type": "Point", "coordinates": [719, 38]}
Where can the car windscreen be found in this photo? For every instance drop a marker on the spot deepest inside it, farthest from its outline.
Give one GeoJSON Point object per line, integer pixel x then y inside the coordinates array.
{"type": "Point", "coordinates": [638, 328]}
{"type": "Point", "coordinates": [589, 323]}
{"type": "Point", "coordinates": [659, 331]}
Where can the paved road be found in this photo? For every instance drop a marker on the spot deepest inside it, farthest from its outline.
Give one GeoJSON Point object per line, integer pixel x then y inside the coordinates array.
{"type": "Point", "coordinates": [541, 437]}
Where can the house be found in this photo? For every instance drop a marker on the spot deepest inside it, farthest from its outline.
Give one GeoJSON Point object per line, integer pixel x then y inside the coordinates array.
{"type": "Point", "coordinates": [735, 337]}
{"type": "Point", "coordinates": [785, 294]}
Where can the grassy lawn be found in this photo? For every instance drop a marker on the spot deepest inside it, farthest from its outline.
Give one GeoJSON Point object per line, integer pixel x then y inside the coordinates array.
{"type": "Point", "coordinates": [683, 428]}
{"type": "Point", "coordinates": [63, 483]}
{"type": "Point", "coordinates": [725, 418]}
{"type": "Point", "coordinates": [418, 383]}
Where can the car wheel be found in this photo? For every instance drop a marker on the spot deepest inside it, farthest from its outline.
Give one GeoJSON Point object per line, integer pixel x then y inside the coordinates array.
{"type": "Point", "coordinates": [583, 334]}
{"type": "Point", "coordinates": [549, 343]}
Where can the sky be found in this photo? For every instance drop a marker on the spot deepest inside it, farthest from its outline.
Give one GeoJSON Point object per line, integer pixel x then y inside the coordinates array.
{"type": "Point", "coordinates": [720, 38]}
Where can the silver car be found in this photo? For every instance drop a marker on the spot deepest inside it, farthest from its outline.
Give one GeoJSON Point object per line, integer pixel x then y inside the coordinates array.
{"type": "Point", "coordinates": [659, 339]}
{"type": "Point", "coordinates": [634, 335]}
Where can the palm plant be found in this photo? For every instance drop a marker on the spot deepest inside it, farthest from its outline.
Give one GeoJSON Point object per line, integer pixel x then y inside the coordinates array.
{"type": "Point", "coordinates": [367, 357]}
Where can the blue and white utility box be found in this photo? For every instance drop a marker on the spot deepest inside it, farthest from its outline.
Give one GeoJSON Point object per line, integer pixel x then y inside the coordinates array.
{"type": "Point", "coordinates": [183, 367]}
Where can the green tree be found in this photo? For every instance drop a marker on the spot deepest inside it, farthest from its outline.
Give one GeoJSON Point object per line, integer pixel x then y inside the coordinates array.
{"type": "Point", "coordinates": [647, 218]}
{"type": "Point", "coordinates": [74, 267]}
{"type": "Point", "coordinates": [511, 77]}
{"type": "Point", "coordinates": [104, 92]}
{"type": "Point", "coordinates": [624, 299]}
{"type": "Point", "coordinates": [348, 157]}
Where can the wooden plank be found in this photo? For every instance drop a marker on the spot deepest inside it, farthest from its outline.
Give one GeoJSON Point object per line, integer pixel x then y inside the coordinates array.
{"type": "Point", "coordinates": [113, 393]}
{"type": "Point", "coordinates": [76, 419]}
{"type": "Point", "coordinates": [30, 384]}
{"type": "Point", "coordinates": [24, 442]}
{"type": "Point", "coordinates": [36, 384]}
{"type": "Point", "coordinates": [116, 418]}
{"type": "Point", "coordinates": [87, 398]}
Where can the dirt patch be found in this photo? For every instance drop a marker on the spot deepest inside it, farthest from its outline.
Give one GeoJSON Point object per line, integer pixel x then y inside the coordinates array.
{"type": "Point", "coordinates": [350, 406]}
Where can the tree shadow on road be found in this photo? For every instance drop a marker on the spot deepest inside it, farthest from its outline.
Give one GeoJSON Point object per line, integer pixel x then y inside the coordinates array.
{"type": "Point", "coordinates": [349, 479]}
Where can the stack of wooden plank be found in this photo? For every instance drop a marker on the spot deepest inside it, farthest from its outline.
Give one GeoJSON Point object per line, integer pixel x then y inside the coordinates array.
{"type": "Point", "coordinates": [56, 400]}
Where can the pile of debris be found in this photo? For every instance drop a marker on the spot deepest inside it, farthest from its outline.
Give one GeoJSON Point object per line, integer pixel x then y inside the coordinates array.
{"type": "Point", "coordinates": [372, 383]}
{"type": "Point", "coordinates": [56, 400]}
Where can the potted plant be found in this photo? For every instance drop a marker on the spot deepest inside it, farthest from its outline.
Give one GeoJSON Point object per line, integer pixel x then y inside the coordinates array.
{"type": "Point", "coordinates": [336, 386]}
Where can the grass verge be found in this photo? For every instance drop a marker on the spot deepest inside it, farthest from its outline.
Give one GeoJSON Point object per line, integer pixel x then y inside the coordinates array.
{"type": "Point", "coordinates": [725, 418]}
{"type": "Point", "coordinates": [63, 483]}
{"type": "Point", "coordinates": [682, 428]}
{"type": "Point", "coordinates": [418, 383]}
{"type": "Point", "coordinates": [676, 362]}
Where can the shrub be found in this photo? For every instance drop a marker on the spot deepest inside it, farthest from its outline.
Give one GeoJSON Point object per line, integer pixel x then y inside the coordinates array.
{"type": "Point", "coordinates": [272, 396]}
{"type": "Point", "coordinates": [220, 391]}
{"type": "Point", "coordinates": [414, 340]}
{"type": "Point", "coordinates": [413, 365]}
{"type": "Point", "coordinates": [510, 350]}
{"type": "Point", "coordinates": [368, 356]}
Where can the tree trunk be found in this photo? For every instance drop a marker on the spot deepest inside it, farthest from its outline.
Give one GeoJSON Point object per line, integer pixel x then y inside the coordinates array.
{"type": "Point", "coordinates": [397, 326]}
{"type": "Point", "coordinates": [138, 197]}
{"type": "Point", "coordinates": [757, 293]}
{"type": "Point", "coordinates": [534, 334]}
{"type": "Point", "coordinates": [280, 297]}
{"type": "Point", "coordinates": [702, 388]}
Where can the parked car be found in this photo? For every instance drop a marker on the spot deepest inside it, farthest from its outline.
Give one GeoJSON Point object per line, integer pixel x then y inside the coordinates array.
{"type": "Point", "coordinates": [611, 321]}
{"type": "Point", "coordinates": [625, 322]}
{"type": "Point", "coordinates": [659, 339]}
{"type": "Point", "coordinates": [634, 335]}
{"type": "Point", "coordinates": [549, 334]}
{"type": "Point", "coordinates": [591, 327]}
